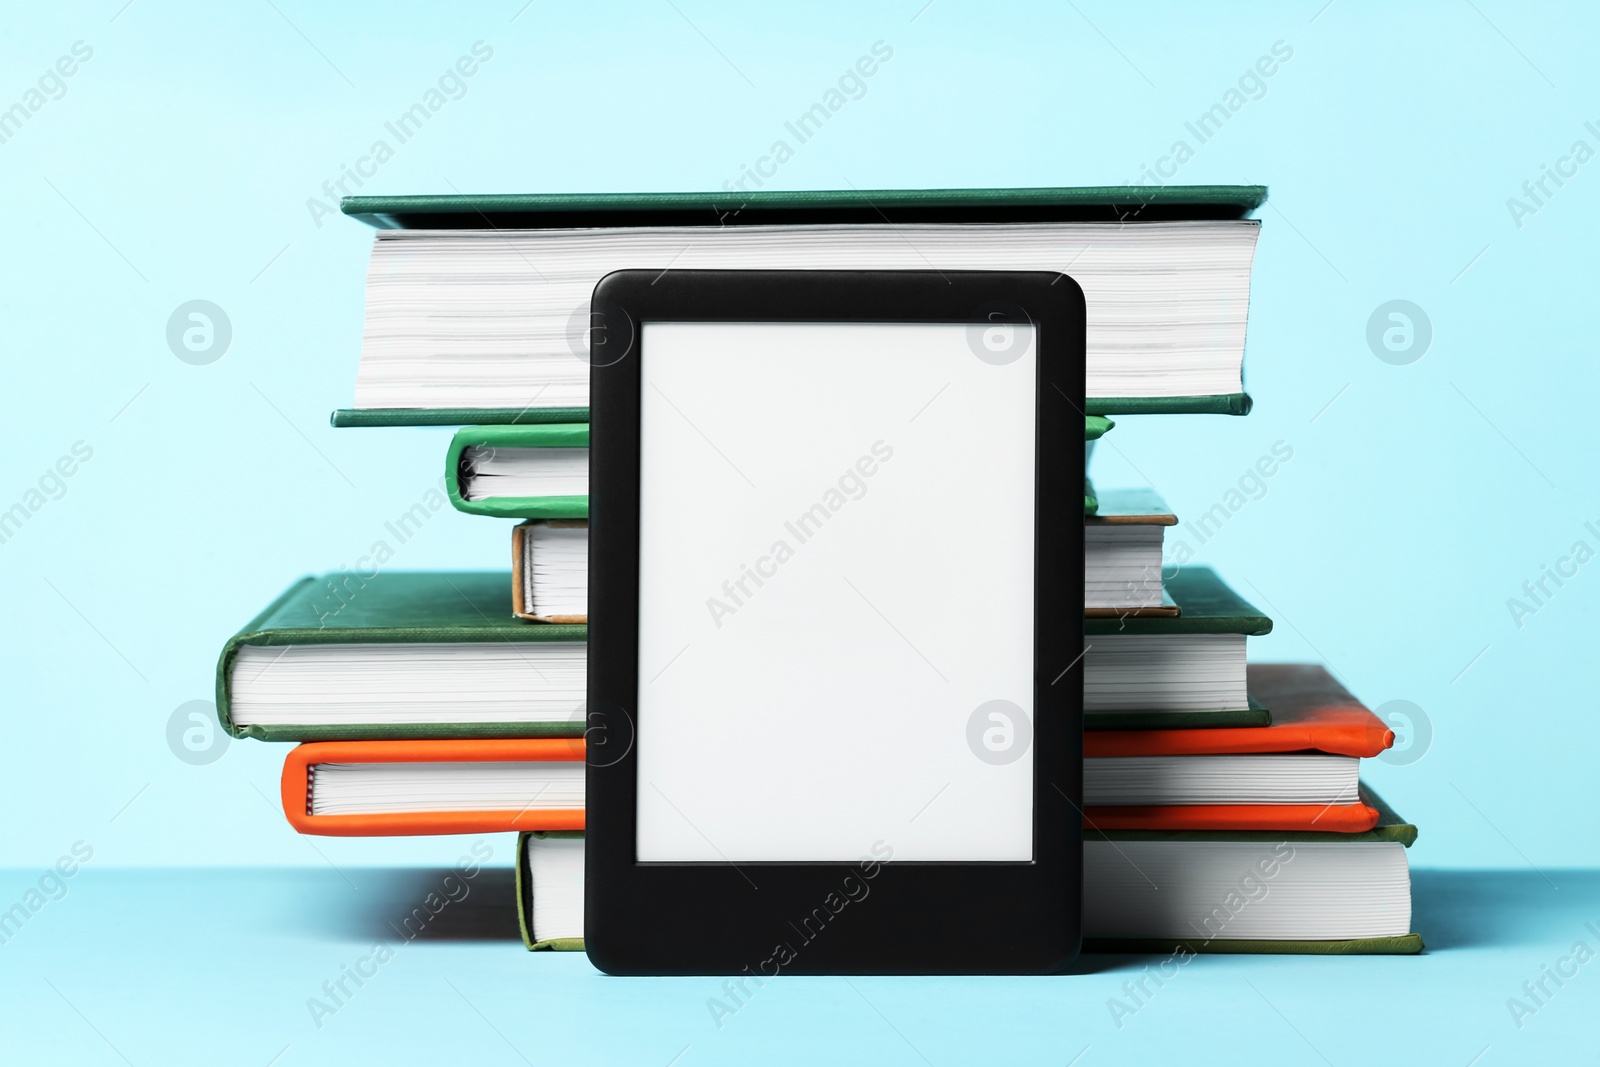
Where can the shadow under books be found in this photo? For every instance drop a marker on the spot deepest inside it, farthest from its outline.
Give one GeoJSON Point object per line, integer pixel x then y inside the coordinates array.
{"type": "Point", "coordinates": [421, 904]}
{"type": "Point", "coordinates": [1496, 908]}
{"type": "Point", "coordinates": [1451, 908]}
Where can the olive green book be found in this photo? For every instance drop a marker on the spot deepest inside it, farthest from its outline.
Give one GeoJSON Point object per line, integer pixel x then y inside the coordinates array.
{"type": "Point", "coordinates": [537, 940]}
{"type": "Point", "coordinates": [567, 919]}
{"type": "Point", "coordinates": [1390, 829]}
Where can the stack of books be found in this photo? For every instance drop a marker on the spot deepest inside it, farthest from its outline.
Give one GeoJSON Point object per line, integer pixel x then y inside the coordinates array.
{"type": "Point", "coordinates": [1223, 809]}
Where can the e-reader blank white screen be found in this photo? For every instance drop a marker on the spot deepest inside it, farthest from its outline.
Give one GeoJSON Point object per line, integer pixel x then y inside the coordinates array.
{"type": "Point", "coordinates": [836, 592]}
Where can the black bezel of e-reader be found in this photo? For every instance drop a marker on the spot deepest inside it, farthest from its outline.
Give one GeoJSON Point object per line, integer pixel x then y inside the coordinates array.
{"type": "Point", "coordinates": [936, 918]}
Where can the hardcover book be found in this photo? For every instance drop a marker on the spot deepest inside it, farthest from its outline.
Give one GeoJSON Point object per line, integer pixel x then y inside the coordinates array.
{"type": "Point", "coordinates": [550, 570]}
{"type": "Point", "coordinates": [401, 655]}
{"type": "Point", "coordinates": [1299, 773]}
{"type": "Point", "coordinates": [1197, 889]}
{"type": "Point", "coordinates": [520, 472]}
{"type": "Point", "coordinates": [523, 470]}
{"type": "Point", "coordinates": [1310, 712]}
{"type": "Point", "coordinates": [1122, 568]}
{"type": "Point", "coordinates": [478, 306]}
{"type": "Point", "coordinates": [1169, 893]}
{"type": "Point", "coordinates": [1143, 671]}
{"type": "Point", "coordinates": [1122, 561]}
{"type": "Point", "coordinates": [394, 788]}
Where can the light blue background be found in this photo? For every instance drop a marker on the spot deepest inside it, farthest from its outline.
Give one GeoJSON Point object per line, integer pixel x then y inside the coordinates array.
{"type": "Point", "coordinates": [179, 165]}
{"type": "Point", "coordinates": [180, 160]}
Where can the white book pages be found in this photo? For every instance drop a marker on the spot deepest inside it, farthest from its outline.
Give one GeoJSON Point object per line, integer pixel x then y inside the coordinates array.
{"type": "Point", "coordinates": [1298, 778]}
{"type": "Point", "coordinates": [499, 319]}
{"type": "Point", "coordinates": [448, 682]}
{"type": "Point", "coordinates": [1180, 672]}
{"type": "Point", "coordinates": [1204, 890]}
{"type": "Point", "coordinates": [1122, 566]}
{"type": "Point", "coordinates": [487, 473]}
{"type": "Point", "coordinates": [385, 788]}
{"type": "Point", "coordinates": [555, 570]}
{"type": "Point", "coordinates": [555, 870]}
{"type": "Point", "coordinates": [1190, 890]}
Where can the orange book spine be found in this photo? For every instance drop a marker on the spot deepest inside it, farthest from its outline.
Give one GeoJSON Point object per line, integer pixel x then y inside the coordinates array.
{"type": "Point", "coordinates": [1326, 818]}
{"type": "Point", "coordinates": [1358, 733]}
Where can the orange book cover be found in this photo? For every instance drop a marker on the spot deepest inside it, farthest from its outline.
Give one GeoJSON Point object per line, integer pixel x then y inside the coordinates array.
{"type": "Point", "coordinates": [1327, 818]}
{"type": "Point", "coordinates": [295, 786]}
{"type": "Point", "coordinates": [1310, 713]}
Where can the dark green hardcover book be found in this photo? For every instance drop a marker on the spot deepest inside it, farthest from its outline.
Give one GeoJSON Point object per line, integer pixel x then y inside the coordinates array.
{"type": "Point", "coordinates": [769, 207]}
{"type": "Point", "coordinates": [1206, 605]}
{"type": "Point", "coordinates": [1215, 610]}
{"type": "Point", "coordinates": [402, 399]}
{"type": "Point", "coordinates": [474, 449]}
{"type": "Point", "coordinates": [1217, 404]}
{"type": "Point", "coordinates": [401, 655]}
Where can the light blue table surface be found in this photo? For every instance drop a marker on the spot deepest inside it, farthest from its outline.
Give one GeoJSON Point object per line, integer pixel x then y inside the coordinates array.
{"type": "Point", "coordinates": [218, 965]}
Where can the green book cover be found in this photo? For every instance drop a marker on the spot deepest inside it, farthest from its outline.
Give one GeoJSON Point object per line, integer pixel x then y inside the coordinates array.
{"type": "Point", "coordinates": [458, 459]}
{"type": "Point", "coordinates": [1105, 203]}
{"type": "Point", "coordinates": [419, 607]}
{"type": "Point", "coordinates": [1206, 605]}
{"type": "Point", "coordinates": [1219, 404]}
{"type": "Point", "coordinates": [455, 416]}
